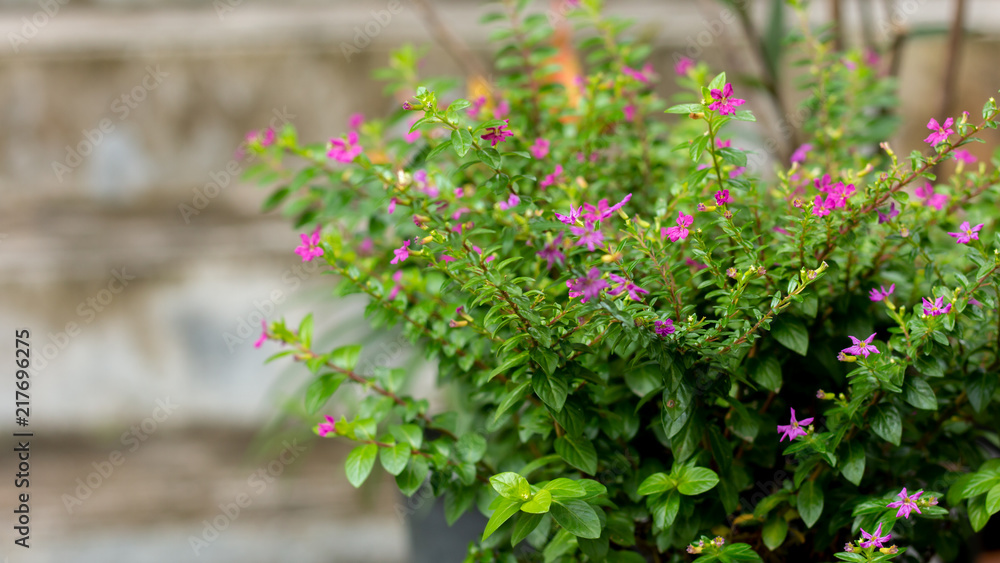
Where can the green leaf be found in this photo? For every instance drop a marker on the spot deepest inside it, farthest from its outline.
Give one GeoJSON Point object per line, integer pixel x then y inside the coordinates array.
{"type": "Point", "coordinates": [696, 480]}
{"type": "Point", "coordinates": [853, 467]}
{"type": "Point", "coordinates": [513, 397]}
{"type": "Point", "coordinates": [551, 390]}
{"type": "Point", "coordinates": [980, 388]}
{"type": "Point", "coordinates": [563, 488]}
{"type": "Point", "coordinates": [511, 485]}
{"type": "Point", "coordinates": [993, 500]}
{"type": "Point", "coordinates": [410, 480]}
{"type": "Point", "coordinates": [409, 433]}
{"type": "Point", "coordinates": [456, 502]}
{"type": "Point", "coordinates": [744, 115]}
{"type": "Point", "coordinates": [774, 532]}
{"type": "Point", "coordinates": [810, 503]}
{"type": "Point", "coordinates": [321, 389]}
{"type": "Point", "coordinates": [718, 82]}
{"type": "Point", "coordinates": [767, 373]}
{"type": "Point", "coordinates": [978, 516]}
{"type": "Point", "coordinates": [665, 510]}
{"type": "Point", "coordinates": [306, 329]}
{"type": "Point", "coordinates": [887, 424]}
{"type": "Point", "coordinates": [656, 483]}
{"type": "Point", "coordinates": [460, 144]}
{"type": "Point", "coordinates": [526, 523]}
{"type": "Point", "coordinates": [791, 333]}
{"type": "Point", "coordinates": [738, 552]}
{"type": "Point", "coordinates": [686, 108]}
{"type": "Point", "coordinates": [359, 463]}
{"type": "Point", "coordinates": [471, 447]}
{"type": "Point", "coordinates": [346, 357]}
{"type": "Point", "coordinates": [577, 517]}
{"type": "Point", "coordinates": [275, 199]}
{"type": "Point", "coordinates": [509, 364]}
{"type": "Point", "coordinates": [577, 451]}
{"type": "Point", "coordinates": [918, 393]}
{"type": "Point", "coordinates": [490, 157]}
{"type": "Point", "coordinates": [539, 504]}
{"type": "Point", "coordinates": [394, 459]}
{"type": "Point", "coordinates": [503, 512]}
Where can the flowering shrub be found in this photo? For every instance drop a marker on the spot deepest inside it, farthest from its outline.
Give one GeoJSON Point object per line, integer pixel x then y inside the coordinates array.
{"type": "Point", "coordinates": [665, 344]}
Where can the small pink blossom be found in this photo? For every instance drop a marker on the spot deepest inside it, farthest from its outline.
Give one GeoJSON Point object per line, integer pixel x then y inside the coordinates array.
{"type": "Point", "coordinates": [683, 65]}
{"type": "Point", "coordinates": [907, 504]}
{"type": "Point", "coordinates": [963, 155]}
{"type": "Point", "coordinates": [328, 427]}
{"type": "Point", "coordinates": [629, 111]}
{"type": "Point", "coordinates": [402, 253]}
{"type": "Point", "coordinates": [541, 148]}
{"type": "Point", "coordinates": [397, 278]}
{"type": "Point", "coordinates": [874, 539]}
{"type": "Point", "coordinates": [800, 153]}
{"type": "Point", "coordinates": [414, 136]}
{"type": "Point", "coordinates": [724, 102]}
{"type": "Point", "coordinates": [643, 75]}
{"type": "Point", "coordinates": [886, 217]}
{"type": "Point", "coordinates": [793, 429]}
{"type": "Point", "coordinates": [497, 134]}
{"type": "Point", "coordinates": [939, 132]}
{"type": "Point", "coordinates": [574, 215]}
{"type": "Point", "coordinates": [588, 287]}
{"type": "Point", "coordinates": [664, 328]}
{"type": "Point", "coordinates": [511, 202]}
{"type": "Point", "coordinates": [936, 307]}
{"type": "Point", "coordinates": [263, 335]}
{"type": "Point", "coordinates": [309, 248]}
{"type": "Point", "coordinates": [861, 347]}
{"type": "Point", "coordinates": [590, 236]}
{"type": "Point", "coordinates": [551, 252]}
{"type": "Point", "coordinates": [931, 199]}
{"type": "Point", "coordinates": [392, 206]}
{"type": "Point", "coordinates": [355, 120]}
{"type": "Point", "coordinates": [966, 233]}
{"type": "Point", "coordinates": [879, 295]}
{"type": "Point", "coordinates": [680, 231]}
{"type": "Point", "coordinates": [626, 286]}
{"type": "Point", "coordinates": [344, 149]}
{"type": "Point", "coordinates": [553, 178]}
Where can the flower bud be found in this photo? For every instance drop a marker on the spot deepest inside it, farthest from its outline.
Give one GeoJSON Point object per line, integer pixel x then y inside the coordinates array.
{"type": "Point", "coordinates": [608, 258]}
{"type": "Point", "coordinates": [457, 324]}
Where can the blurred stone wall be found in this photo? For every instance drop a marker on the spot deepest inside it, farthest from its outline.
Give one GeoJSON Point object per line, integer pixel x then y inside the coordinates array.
{"type": "Point", "coordinates": [113, 113]}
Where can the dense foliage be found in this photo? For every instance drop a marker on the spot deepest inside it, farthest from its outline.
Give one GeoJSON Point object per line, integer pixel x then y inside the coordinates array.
{"type": "Point", "coordinates": [665, 344]}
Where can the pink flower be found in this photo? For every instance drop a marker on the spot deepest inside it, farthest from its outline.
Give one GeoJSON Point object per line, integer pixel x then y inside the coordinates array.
{"type": "Point", "coordinates": [724, 102]}
{"type": "Point", "coordinates": [907, 505]}
{"type": "Point", "coordinates": [512, 201]}
{"type": "Point", "coordinates": [497, 134]}
{"type": "Point", "coordinates": [966, 233]}
{"type": "Point", "coordinates": [876, 295]}
{"type": "Point", "coordinates": [861, 347]}
{"type": "Point", "coordinates": [794, 428]}
{"type": "Point", "coordinates": [875, 539]}
{"type": "Point", "coordinates": [738, 171]}
{"type": "Point", "coordinates": [263, 335]}
{"type": "Point", "coordinates": [625, 286]}
{"type": "Point", "coordinates": [800, 153]}
{"type": "Point", "coordinates": [820, 209]}
{"type": "Point", "coordinates": [886, 217]}
{"type": "Point", "coordinates": [344, 149]}
{"type": "Point", "coordinates": [574, 215]}
{"type": "Point", "coordinates": [551, 252]}
{"type": "Point", "coordinates": [541, 148]}
{"type": "Point", "coordinates": [476, 106]}
{"type": "Point", "coordinates": [936, 307]}
{"type": "Point", "coordinates": [641, 75]}
{"type": "Point", "coordinates": [722, 197]}
{"type": "Point", "coordinates": [328, 427]}
{"type": "Point", "coordinates": [397, 278]}
{"type": "Point", "coordinates": [629, 112]}
{"type": "Point", "coordinates": [402, 253]}
{"type": "Point", "coordinates": [502, 109]}
{"type": "Point", "coordinates": [964, 156]}
{"type": "Point", "coordinates": [309, 248]}
{"type": "Point", "coordinates": [931, 199]}
{"type": "Point", "coordinates": [392, 205]}
{"type": "Point", "coordinates": [552, 178]}
{"type": "Point", "coordinates": [683, 65]}
{"type": "Point", "coordinates": [589, 286]}
{"type": "Point", "coordinates": [590, 236]}
{"type": "Point", "coordinates": [602, 211]}
{"type": "Point", "coordinates": [679, 232]}
{"type": "Point", "coordinates": [939, 132]}
{"type": "Point", "coordinates": [663, 328]}
{"type": "Point", "coordinates": [355, 120]}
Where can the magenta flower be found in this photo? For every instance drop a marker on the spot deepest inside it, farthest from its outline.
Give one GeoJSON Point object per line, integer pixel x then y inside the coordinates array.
{"type": "Point", "coordinates": [931, 199]}
{"type": "Point", "coordinates": [414, 136]}
{"type": "Point", "coordinates": [907, 505]}
{"type": "Point", "coordinates": [602, 211]}
{"type": "Point", "coordinates": [541, 148]}
{"type": "Point", "coordinates": [820, 207]}
{"type": "Point", "coordinates": [939, 132]}
{"type": "Point", "coordinates": [355, 120]}
{"type": "Point", "coordinates": [966, 233]}
{"type": "Point", "coordinates": [589, 287]}
{"type": "Point", "coordinates": [554, 177]}
{"type": "Point", "coordinates": [877, 295]}
{"type": "Point", "coordinates": [263, 335]}
{"type": "Point", "coordinates": [875, 539]}
{"type": "Point", "coordinates": [476, 106]}
{"type": "Point", "coordinates": [629, 111]}
{"type": "Point", "coordinates": [551, 252]}
{"type": "Point", "coordinates": [964, 156]}
{"type": "Point", "coordinates": [590, 236]}
{"type": "Point", "coordinates": [724, 102]}
{"type": "Point", "coordinates": [392, 206]}
{"type": "Point", "coordinates": [683, 65]}
{"type": "Point", "coordinates": [309, 248]}
{"type": "Point", "coordinates": [722, 197]}
{"type": "Point", "coordinates": [397, 278]}
{"type": "Point", "coordinates": [626, 286]}
{"type": "Point", "coordinates": [793, 429]}
{"type": "Point", "coordinates": [680, 231]}
{"type": "Point", "coordinates": [886, 217]}
{"type": "Point", "coordinates": [641, 75]}
{"type": "Point", "coordinates": [663, 328]}
{"type": "Point", "coordinates": [497, 134]}
{"type": "Point", "coordinates": [936, 307]}
{"type": "Point", "coordinates": [574, 215]}
{"type": "Point", "coordinates": [328, 427]}
{"type": "Point", "coordinates": [402, 253]}
{"type": "Point", "coordinates": [861, 347]}
{"type": "Point", "coordinates": [738, 171]}
{"type": "Point", "coordinates": [344, 149]}
{"type": "Point", "coordinates": [800, 153]}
